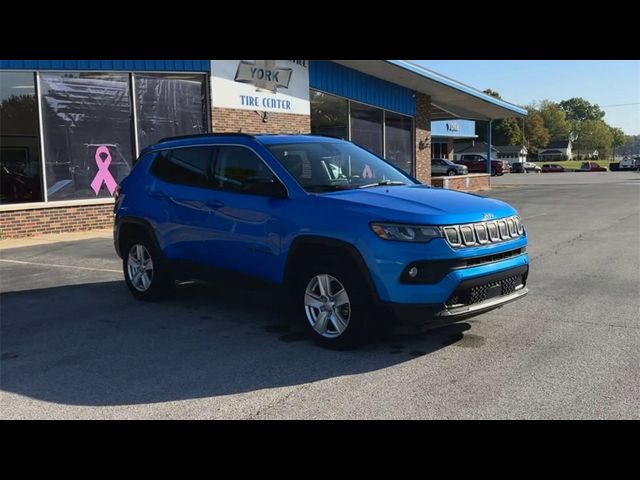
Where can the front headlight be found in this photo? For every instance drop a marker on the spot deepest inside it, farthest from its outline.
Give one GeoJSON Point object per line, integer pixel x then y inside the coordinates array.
{"type": "Point", "coordinates": [406, 233]}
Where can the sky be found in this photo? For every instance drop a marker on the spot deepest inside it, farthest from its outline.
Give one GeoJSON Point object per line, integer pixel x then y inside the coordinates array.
{"type": "Point", "coordinates": [603, 82]}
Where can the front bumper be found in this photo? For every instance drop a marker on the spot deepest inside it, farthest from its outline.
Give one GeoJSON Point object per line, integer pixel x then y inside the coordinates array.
{"type": "Point", "coordinates": [465, 301]}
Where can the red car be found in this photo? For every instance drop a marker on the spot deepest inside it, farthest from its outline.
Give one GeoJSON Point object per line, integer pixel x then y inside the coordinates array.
{"type": "Point", "coordinates": [478, 163]}
{"type": "Point", "coordinates": [591, 167]}
{"type": "Point", "coordinates": [552, 168]}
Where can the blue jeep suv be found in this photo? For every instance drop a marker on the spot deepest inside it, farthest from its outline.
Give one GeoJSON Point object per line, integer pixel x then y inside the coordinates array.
{"type": "Point", "coordinates": [348, 234]}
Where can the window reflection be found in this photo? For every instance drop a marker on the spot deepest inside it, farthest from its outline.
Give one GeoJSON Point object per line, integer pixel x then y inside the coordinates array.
{"type": "Point", "coordinates": [366, 127]}
{"type": "Point", "coordinates": [169, 105]}
{"type": "Point", "coordinates": [329, 115]}
{"type": "Point", "coordinates": [399, 141]}
{"type": "Point", "coordinates": [82, 112]}
{"type": "Point", "coordinates": [20, 160]}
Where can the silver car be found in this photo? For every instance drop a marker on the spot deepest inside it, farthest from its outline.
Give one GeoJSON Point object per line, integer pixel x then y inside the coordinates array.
{"type": "Point", "coordinates": [444, 166]}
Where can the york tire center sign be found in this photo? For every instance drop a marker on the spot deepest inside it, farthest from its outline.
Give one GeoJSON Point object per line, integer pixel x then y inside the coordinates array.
{"type": "Point", "coordinates": [262, 85]}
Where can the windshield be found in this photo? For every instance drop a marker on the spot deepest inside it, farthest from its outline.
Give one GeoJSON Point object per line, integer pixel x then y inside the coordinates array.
{"type": "Point", "coordinates": [329, 166]}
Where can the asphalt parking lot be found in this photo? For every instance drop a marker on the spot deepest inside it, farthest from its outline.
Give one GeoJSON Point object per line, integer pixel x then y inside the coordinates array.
{"type": "Point", "coordinates": [75, 344]}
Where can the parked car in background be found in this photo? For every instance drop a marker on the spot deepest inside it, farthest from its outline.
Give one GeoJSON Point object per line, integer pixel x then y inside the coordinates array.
{"type": "Point", "coordinates": [444, 166]}
{"type": "Point", "coordinates": [552, 168]}
{"type": "Point", "coordinates": [525, 167]}
{"type": "Point", "coordinates": [627, 163]}
{"type": "Point", "coordinates": [591, 167]}
{"type": "Point", "coordinates": [530, 167]}
{"type": "Point", "coordinates": [349, 237]}
{"type": "Point", "coordinates": [477, 163]}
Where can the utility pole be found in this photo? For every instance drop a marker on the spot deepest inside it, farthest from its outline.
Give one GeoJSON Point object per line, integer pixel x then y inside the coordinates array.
{"type": "Point", "coordinates": [489, 147]}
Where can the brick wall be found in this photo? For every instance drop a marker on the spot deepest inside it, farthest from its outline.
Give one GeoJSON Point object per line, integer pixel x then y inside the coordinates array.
{"type": "Point", "coordinates": [26, 223]}
{"type": "Point", "coordinates": [423, 138]}
{"type": "Point", "coordinates": [249, 121]}
{"type": "Point", "coordinates": [473, 181]}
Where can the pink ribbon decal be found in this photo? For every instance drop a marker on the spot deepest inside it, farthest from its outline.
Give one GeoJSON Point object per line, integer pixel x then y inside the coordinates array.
{"type": "Point", "coordinates": [103, 175]}
{"type": "Point", "coordinates": [367, 172]}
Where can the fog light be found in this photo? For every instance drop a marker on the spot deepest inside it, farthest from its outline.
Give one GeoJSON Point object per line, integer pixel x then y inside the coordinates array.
{"type": "Point", "coordinates": [413, 272]}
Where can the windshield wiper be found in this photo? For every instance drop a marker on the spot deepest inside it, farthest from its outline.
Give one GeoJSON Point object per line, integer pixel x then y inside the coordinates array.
{"type": "Point", "coordinates": [381, 183]}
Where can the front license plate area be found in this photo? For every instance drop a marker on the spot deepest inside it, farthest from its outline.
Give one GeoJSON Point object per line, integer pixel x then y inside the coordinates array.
{"type": "Point", "coordinates": [494, 290]}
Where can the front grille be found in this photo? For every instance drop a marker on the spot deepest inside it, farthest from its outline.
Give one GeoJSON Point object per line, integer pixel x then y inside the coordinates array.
{"type": "Point", "coordinates": [509, 284]}
{"type": "Point", "coordinates": [496, 257]}
{"type": "Point", "coordinates": [482, 233]}
{"type": "Point", "coordinates": [479, 294]}
{"type": "Point", "coordinates": [497, 285]}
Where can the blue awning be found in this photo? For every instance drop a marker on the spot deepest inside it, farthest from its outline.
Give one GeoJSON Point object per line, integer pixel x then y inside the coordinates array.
{"type": "Point", "coordinates": [449, 98]}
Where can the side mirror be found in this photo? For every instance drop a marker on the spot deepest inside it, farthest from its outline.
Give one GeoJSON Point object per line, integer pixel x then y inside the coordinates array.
{"type": "Point", "coordinates": [266, 186]}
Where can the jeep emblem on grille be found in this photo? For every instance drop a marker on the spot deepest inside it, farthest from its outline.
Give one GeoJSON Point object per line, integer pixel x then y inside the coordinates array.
{"type": "Point", "coordinates": [487, 216]}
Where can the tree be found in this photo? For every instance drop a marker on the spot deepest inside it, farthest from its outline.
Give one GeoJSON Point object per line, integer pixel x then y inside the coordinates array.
{"type": "Point", "coordinates": [618, 136]}
{"type": "Point", "coordinates": [18, 115]}
{"type": "Point", "coordinates": [535, 133]}
{"type": "Point", "coordinates": [618, 139]}
{"type": "Point", "coordinates": [594, 135]}
{"type": "Point", "coordinates": [631, 145]}
{"type": "Point", "coordinates": [579, 109]}
{"type": "Point", "coordinates": [555, 121]}
{"type": "Point", "coordinates": [506, 131]}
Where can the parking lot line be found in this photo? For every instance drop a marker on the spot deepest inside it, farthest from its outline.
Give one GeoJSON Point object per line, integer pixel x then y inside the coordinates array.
{"type": "Point", "coordinates": [59, 266]}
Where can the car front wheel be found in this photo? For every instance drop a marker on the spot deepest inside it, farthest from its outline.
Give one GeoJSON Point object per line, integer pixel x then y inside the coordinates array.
{"type": "Point", "coordinates": [335, 304]}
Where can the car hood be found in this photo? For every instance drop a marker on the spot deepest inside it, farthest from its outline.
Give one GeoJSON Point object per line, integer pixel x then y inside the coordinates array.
{"type": "Point", "coordinates": [421, 204]}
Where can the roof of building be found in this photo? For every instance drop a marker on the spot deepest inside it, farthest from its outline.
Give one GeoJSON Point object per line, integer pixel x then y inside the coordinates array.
{"type": "Point", "coordinates": [559, 144]}
{"type": "Point", "coordinates": [510, 148]}
{"type": "Point", "coordinates": [449, 98]}
{"type": "Point", "coordinates": [475, 147]}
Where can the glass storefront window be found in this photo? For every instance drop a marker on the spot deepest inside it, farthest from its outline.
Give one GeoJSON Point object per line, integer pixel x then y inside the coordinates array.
{"type": "Point", "coordinates": [169, 105]}
{"type": "Point", "coordinates": [366, 127]}
{"type": "Point", "coordinates": [329, 115]}
{"type": "Point", "coordinates": [399, 141]}
{"type": "Point", "coordinates": [439, 150]}
{"type": "Point", "coordinates": [87, 125]}
{"type": "Point", "coordinates": [20, 160]}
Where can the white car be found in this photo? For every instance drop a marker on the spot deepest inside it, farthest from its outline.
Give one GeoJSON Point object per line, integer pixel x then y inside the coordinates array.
{"type": "Point", "coordinates": [531, 167]}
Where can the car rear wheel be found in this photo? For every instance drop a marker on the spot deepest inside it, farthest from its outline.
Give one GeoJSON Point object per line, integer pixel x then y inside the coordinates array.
{"type": "Point", "coordinates": [334, 303]}
{"type": "Point", "coordinates": [494, 172]}
{"type": "Point", "coordinates": [144, 270]}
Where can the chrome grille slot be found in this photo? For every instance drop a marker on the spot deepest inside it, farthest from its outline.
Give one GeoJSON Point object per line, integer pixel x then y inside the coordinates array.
{"type": "Point", "coordinates": [494, 235]}
{"type": "Point", "coordinates": [468, 236]}
{"type": "Point", "coordinates": [504, 230]}
{"type": "Point", "coordinates": [453, 236]}
{"type": "Point", "coordinates": [481, 233]}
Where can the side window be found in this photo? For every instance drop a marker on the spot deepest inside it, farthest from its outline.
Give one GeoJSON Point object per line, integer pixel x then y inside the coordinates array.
{"type": "Point", "coordinates": [239, 169]}
{"type": "Point", "coordinates": [185, 166]}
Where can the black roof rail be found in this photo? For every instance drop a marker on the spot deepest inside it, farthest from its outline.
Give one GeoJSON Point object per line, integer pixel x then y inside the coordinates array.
{"type": "Point", "coordinates": [201, 135]}
{"type": "Point", "coordinates": [325, 135]}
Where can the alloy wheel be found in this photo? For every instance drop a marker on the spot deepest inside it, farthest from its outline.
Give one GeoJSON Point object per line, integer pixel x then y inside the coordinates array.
{"type": "Point", "coordinates": [327, 306]}
{"type": "Point", "coordinates": [140, 267]}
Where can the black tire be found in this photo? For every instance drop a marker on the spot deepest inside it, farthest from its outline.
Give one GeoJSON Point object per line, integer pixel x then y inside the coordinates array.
{"type": "Point", "coordinates": [160, 279]}
{"type": "Point", "coordinates": [494, 172]}
{"type": "Point", "coordinates": [451, 172]}
{"type": "Point", "coordinates": [360, 299]}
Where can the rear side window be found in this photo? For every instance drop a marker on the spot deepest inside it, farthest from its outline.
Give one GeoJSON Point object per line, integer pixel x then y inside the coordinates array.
{"type": "Point", "coordinates": [238, 169]}
{"type": "Point", "coordinates": [185, 166]}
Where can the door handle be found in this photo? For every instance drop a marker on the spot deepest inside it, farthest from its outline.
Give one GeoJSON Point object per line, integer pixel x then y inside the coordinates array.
{"type": "Point", "coordinates": [215, 204]}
